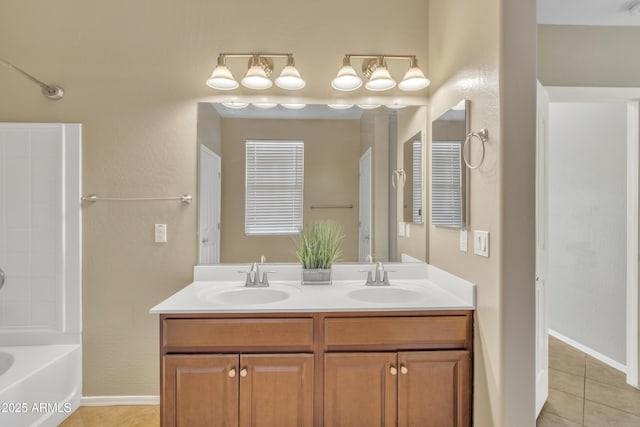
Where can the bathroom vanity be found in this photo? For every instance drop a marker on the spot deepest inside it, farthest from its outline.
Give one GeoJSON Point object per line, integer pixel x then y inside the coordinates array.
{"type": "Point", "coordinates": [339, 355]}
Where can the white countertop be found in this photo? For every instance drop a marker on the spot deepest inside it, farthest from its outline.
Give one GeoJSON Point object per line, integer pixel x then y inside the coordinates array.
{"type": "Point", "coordinates": [423, 287]}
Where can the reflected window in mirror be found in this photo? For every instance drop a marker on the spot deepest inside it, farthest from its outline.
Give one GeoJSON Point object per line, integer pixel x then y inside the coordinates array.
{"type": "Point", "coordinates": [449, 186]}
{"type": "Point", "coordinates": [412, 192]}
{"type": "Point", "coordinates": [274, 187]}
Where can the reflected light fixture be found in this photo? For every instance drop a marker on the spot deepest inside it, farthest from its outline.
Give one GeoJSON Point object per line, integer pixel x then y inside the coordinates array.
{"type": "Point", "coordinates": [264, 105]}
{"type": "Point", "coordinates": [235, 105]}
{"type": "Point", "coordinates": [368, 106]}
{"type": "Point", "coordinates": [340, 106]}
{"type": "Point", "coordinates": [374, 68]}
{"type": "Point", "coordinates": [294, 106]}
{"type": "Point", "coordinates": [396, 106]}
{"type": "Point", "coordinates": [258, 76]}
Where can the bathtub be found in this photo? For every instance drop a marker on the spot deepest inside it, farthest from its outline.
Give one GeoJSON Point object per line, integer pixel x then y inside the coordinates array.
{"type": "Point", "coordinates": [41, 386]}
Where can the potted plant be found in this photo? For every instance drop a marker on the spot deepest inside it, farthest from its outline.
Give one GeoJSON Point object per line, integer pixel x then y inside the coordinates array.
{"type": "Point", "coordinates": [317, 248]}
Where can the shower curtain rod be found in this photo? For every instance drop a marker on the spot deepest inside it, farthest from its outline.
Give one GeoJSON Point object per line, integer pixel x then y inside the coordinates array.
{"type": "Point", "coordinates": [50, 91]}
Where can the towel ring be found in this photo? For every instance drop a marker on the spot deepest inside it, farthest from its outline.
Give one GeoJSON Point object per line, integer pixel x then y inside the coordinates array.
{"type": "Point", "coordinates": [482, 135]}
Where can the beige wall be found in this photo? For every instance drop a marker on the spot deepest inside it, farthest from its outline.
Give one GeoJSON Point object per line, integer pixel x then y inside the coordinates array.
{"type": "Point", "coordinates": [475, 62]}
{"type": "Point", "coordinates": [411, 122]}
{"type": "Point", "coordinates": [331, 153]}
{"type": "Point", "coordinates": [133, 73]}
{"type": "Point", "coordinates": [574, 55]}
{"type": "Point", "coordinates": [209, 128]}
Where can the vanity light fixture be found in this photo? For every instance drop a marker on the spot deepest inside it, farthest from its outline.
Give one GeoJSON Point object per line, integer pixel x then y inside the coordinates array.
{"type": "Point", "coordinates": [368, 106]}
{"type": "Point", "coordinates": [259, 72]}
{"type": "Point", "coordinates": [374, 68]}
{"type": "Point", "coordinates": [396, 106]}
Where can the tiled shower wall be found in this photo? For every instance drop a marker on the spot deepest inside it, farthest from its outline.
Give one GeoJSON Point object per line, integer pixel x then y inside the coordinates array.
{"type": "Point", "coordinates": [31, 228]}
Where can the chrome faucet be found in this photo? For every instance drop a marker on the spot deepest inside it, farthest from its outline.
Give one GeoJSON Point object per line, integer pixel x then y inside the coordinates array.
{"type": "Point", "coordinates": [253, 277]}
{"type": "Point", "coordinates": [381, 277]}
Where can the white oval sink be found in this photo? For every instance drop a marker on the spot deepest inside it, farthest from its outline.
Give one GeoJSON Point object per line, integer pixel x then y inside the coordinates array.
{"type": "Point", "coordinates": [249, 296]}
{"type": "Point", "coordinates": [384, 294]}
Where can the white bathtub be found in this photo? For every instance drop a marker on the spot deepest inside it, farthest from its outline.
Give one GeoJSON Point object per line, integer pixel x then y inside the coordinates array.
{"type": "Point", "coordinates": [42, 385]}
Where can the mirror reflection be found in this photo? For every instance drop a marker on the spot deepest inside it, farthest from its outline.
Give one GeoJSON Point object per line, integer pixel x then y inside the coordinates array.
{"type": "Point", "coordinates": [341, 170]}
{"type": "Point", "coordinates": [449, 177]}
{"type": "Point", "coordinates": [412, 203]}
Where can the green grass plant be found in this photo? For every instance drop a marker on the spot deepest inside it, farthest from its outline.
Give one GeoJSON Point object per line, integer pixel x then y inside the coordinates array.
{"type": "Point", "coordinates": [318, 246]}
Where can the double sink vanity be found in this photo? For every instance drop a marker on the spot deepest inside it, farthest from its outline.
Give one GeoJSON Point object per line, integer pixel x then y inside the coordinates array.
{"type": "Point", "coordinates": [353, 353]}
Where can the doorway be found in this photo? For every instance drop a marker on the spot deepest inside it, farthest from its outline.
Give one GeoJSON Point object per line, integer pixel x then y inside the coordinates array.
{"type": "Point", "coordinates": [209, 207]}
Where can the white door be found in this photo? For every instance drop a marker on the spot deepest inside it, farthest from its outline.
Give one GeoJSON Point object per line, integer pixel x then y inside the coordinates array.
{"type": "Point", "coordinates": [542, 335]}
{"type": "Point", "coordinates": [364, 208]}
{"type": "Point", "coordinates": [209, 214]}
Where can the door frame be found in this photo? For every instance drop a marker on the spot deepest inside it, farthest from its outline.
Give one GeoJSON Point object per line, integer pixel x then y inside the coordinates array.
{"type": "Point", "coordinates": [631, 97]}
{"type": "Point", "coordinates": [206, 150]}
{"type": "Point", "coordinates": [368, 157]}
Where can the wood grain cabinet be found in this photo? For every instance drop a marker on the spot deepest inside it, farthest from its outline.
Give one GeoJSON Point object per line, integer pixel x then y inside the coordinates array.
{"type": "Point", "coordinates": [397, 389]}
{"type": "Point", "coordinates": [356, 369]}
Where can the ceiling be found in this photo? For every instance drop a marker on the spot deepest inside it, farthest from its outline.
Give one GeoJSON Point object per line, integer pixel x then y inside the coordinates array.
{"type": "Point", "coordinates": [588, 12]}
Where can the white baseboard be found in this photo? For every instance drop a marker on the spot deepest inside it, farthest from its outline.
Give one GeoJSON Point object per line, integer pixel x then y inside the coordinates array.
{"type": "Point", "coordinates": [119, 400]}
{"type": "Point", "coordinates": [591, 352]}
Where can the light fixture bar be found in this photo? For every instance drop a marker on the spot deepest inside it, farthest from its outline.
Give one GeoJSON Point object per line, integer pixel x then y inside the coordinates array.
{"type": "Point", "coordinates": [258, 76]}
{"type": "Point", "coordinates": [374, 68]}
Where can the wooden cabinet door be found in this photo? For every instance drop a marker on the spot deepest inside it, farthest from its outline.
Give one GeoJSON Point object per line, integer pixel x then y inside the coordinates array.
{"type": "Point", "coordinates": [434, 389]}
{"type": "Point", "coordinates": [276, 390]}
{"type": "Point", "coordinates": [200, 390]}
{"type": "Point", "coordinates": [360, 389]}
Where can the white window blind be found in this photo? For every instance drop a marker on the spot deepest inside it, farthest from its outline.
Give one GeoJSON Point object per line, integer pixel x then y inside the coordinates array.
{"type": "Point", "coordinates": [274, 187]}
{"type": "Point", "coordinates": [446, 183]}
{"type": "Point", "coordinates": [417, 182]}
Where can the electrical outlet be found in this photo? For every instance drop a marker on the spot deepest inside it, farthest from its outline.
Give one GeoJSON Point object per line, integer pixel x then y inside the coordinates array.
{"type": "Point", "coordinates": [407, 229]}
{"type": "Point", "coordinates": [464, 236]}
{"type": "Point", "coordinates": [161, 233]}
{"type": "Point", "coordinates": [401, 228]}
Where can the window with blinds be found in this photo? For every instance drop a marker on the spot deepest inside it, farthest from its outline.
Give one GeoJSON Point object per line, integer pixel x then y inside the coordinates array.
{"type": "Point", "coordinates": [446, 184]}
{"type": "Point", "coordinates": [416, 211]}
{"type": "Point", "coordinates": [274, 187]}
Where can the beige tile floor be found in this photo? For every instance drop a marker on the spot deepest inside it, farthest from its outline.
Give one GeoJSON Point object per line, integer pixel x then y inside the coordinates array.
{"type": "Point", "coordinates": [114, 416]}
{"type": "Point", "coordinates": [586, 392]}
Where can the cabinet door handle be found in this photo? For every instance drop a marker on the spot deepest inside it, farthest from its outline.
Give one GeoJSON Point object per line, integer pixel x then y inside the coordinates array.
{"type": "Point", "coordinates": [403, 369]}
{"type": "Point", "coordinates": [243, 372]}
{"type": "Point", "coordinates": [232, 372]}
{"type": "Point", "coordinates": [393, 370]}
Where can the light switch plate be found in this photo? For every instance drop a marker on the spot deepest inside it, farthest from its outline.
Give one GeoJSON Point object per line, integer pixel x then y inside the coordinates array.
{"type": "Point", "coordinates": [407, 229]}
{"type": "Point", "coordinates": [401, 229]}
{"type": "Point", "coordinates": [464, 235]}
{"type": "Point", "coordinates": [481, 243]}
{"type": "Point", "coordinates": [161, 233]}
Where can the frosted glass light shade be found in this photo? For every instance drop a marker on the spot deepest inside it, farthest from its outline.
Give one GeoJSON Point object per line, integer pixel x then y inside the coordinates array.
{"type": "Point", "coordinates": [265, 105]}
{"type": "Point", "coordinates": [347, 79]}
{"type": "Point", "coordinates": [292, 106]}
{"type": "Point", "coordinates": [340, 106]}
{"type": "Point", "coordinates": [380, 80]}
{"type": "Point", "coordinates": [414, 79]}
{"type": "Point", "coordinates": [368, 106]}
{"type": "Point", "coordinates": [256, 78]}
{"type": "Point", "coordinates": [222, 79]}
{"type": "Point", "coordinates": [235, 105]}
{"type": "Point", "coordinates": [290, 79]}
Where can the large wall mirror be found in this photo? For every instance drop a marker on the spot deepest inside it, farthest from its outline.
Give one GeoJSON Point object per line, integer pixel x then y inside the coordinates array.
{"type": "Point", "coordinates": [348, 157]}
{"type": "Point", "coordinates": [449, 176]}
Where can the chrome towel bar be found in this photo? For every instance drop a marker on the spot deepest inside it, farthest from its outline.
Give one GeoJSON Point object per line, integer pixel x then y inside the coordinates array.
{"type": "Point", "coordinates": [92, 198]}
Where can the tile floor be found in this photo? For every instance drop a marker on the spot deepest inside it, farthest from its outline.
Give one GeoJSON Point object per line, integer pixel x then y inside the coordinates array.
{"type": "Point", "coordinates": [586, 392]}
{"type": "Point", "coordinates": [582, 392]}
{"type": "Point", "coordinates": [114, 416]}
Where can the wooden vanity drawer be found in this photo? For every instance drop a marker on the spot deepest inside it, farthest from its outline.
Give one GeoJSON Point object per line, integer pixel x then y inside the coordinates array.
{"type": "Point", "coordinates": [265, 334]}
{"type": "Point", "coordinates": [396, 333]}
